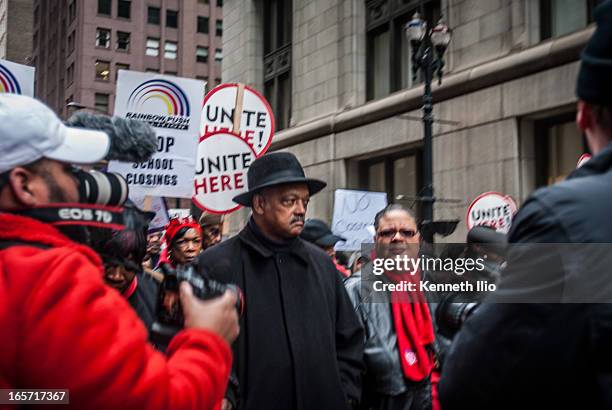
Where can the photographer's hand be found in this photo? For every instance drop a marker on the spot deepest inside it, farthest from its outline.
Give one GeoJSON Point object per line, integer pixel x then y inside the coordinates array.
{"type": "Point", "coordinates": [218, 315]}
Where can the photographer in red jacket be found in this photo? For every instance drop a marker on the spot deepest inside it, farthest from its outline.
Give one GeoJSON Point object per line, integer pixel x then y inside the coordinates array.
{"type": "Point", "coordinates": [62, 327]}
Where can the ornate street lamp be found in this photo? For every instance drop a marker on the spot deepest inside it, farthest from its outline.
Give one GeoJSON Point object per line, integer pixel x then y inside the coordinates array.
{"type": "Point", "coordinates": [428, 48]}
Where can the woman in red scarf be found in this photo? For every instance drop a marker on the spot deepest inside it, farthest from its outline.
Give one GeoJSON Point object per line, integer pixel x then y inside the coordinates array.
{"type": "Point", "coordinates": [400, 365]}
{"type": "Point", "coordinates": [183, 241]}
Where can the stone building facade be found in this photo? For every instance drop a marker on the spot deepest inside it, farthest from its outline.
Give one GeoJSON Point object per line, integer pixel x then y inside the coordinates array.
{"type": "Point", "coordinates": [16, 26]}
{"type": "Point", "coordinates": [351, 113]}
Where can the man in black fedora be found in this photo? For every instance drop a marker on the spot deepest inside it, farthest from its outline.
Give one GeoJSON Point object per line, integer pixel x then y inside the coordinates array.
{"type": "Point", "coordinates": [301, 344]}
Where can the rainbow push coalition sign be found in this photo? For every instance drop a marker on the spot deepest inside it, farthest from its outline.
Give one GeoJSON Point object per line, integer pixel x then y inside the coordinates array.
{"type": "Point", "coordinates": [16, 78]}
{"type": "Point", "coordinates": [166, 98]}
{"type": "Point", "coordinates": [171, 105]}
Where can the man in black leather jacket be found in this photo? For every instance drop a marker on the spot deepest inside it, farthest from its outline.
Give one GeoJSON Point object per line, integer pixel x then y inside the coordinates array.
{"type": "Point", "coordinates": [544, 355]}
{"type": "Point", "coordinates": [385, 384]}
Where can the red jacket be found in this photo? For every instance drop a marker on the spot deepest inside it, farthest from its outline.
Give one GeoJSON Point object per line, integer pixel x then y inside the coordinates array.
{"type": "Point", "coordinates": [63, 328]}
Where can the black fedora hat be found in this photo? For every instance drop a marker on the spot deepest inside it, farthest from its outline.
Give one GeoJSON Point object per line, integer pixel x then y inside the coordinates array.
{"type": "Point", "coordinates": [276, 168]}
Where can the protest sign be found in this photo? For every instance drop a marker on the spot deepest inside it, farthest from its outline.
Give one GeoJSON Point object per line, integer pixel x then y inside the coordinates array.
{"type": "Point", "coordinates": [16, 78]}
{"type": "Point", "coordinates": [171, 106]}
{"type": "Point", "coordinates": [353, 217]}
{"type": "Point", "coordinates": [153, 204]}
{"type": "Point", "coordinates": [221, 171]}
{"type": "Point", "coordinates": [179, 212]}
{"type": "Point", "coordinates": [255, 122]}
{"type": "Point", "coordinates": [491, 209]}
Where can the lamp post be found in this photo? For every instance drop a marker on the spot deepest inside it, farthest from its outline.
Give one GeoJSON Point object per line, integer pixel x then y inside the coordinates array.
{"type": "Point", "coordinates": [428, 47]}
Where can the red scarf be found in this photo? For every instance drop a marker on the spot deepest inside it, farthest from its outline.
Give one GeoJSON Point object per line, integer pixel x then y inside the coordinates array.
{"type": "Point", "coordinates": [414, 329]}
{"type": "Point", "coordinates": [131, 289]}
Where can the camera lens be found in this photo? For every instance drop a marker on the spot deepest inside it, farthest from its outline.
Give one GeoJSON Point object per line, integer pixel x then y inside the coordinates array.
{"type": "Point", "coordinates": [102, 188]}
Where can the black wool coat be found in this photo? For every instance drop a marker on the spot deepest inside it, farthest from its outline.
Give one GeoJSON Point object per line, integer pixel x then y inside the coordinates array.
{"type": "Point", "coordinates": [300, 344]}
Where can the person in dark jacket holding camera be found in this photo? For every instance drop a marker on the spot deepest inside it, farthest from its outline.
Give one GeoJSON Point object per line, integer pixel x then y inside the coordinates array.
{"type": "Point", "coordinates": [302, 344]}
{"type": "Point", "coordinates": [551, 355]}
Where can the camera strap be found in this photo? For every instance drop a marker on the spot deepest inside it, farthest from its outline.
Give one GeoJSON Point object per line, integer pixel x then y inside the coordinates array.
{"type": "Point", "coordinates": [70, 214]}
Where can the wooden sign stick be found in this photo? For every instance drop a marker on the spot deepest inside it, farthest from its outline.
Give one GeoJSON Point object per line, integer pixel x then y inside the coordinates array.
{"type": "Point", "coordinates": [238, 109]}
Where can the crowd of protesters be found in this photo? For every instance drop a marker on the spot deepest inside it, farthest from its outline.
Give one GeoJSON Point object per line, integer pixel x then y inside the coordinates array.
{"type": "Point", "coordinates": [296, 330]}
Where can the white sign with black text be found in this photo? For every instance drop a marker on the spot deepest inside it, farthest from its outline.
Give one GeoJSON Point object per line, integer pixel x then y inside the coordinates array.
{"type": "Point", "coordinates": [171, 105]}
{"type": "Point", "coordinates": [353, 217]}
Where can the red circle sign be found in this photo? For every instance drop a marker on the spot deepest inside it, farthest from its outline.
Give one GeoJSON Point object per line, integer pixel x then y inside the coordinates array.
{"type": "Point", "coordinates": [491, 209]}
{"type": "Point", "coordinates": [256, 120]}
{"type": "Point", "coordinates": [221, 171]}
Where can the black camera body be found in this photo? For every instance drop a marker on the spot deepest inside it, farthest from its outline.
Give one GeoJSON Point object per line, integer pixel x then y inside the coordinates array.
{"type": "Point", "coordinates": [169, 312]}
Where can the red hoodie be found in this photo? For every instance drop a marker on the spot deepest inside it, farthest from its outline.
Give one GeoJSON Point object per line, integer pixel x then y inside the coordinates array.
{"type": "Point", "coordinates": [63, 328]}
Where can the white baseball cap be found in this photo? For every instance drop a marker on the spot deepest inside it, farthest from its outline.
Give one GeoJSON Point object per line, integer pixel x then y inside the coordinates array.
{"type": "Point", "coordinates": [29, 130]}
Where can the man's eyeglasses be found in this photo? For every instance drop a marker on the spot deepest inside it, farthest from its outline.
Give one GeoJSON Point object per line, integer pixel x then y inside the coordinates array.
{"type": "Point", "coordinates": [390, 233]}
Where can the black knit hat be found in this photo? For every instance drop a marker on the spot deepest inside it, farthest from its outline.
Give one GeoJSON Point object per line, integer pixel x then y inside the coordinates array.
{"type": "Point", "coordinates": [276, 168]}
{"type": "Point", "coordinates": [594, 79]}
{"type": "Point", "coordinates": [316, 231]}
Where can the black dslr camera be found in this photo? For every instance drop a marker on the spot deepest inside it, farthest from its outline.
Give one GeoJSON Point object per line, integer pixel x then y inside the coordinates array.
{"type": "Point", "coordinates": [169, 312]}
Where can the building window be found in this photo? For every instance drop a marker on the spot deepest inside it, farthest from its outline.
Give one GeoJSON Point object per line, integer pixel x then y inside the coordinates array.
{"type": "Point", "coordinates": [124, 9]}
{"type": "Point", "coordinates": [278, 25]}
{"type": "Point", "coordinates": [397, 174]}
{"type": "Point", "coordinates": [123, 40]}
{"type": "Point", "coordinates": [152, 70]}
{"type": "Point", "coordinates": [218, 55]}
{"type": "Point", "coordinates": [102, 70]}
{"type": "Point", "coordinates": [559, 17]}
{"type": "Point", "coordinates": [389, 55]}
{"type": "Point", "coordinates": [202, 54]}
{"type": "Point", "coordinates": [72, 11]}
{"type": "Point", "coordinates": [219, 3]}
{"type": "Point", "coordinates": [203, 1]}
{"type": "Point", "coordinates": [120, 66]}
{"type": "Point", "coordinates": [70, 74]}
{"type": "Point", "coordinates": [153, 15]}
{"type": "Point", "coordinates": [71, 43]}
{"type": "Point", "coordinates": [104, 7]}
{"type": "Point", "coordinates": [170, 73]}
{"type": "Point", "coordinates": [170, 49]}
{"type": "Point", "coordinates": [152, 47]}
{"type": "Point", "coordinates": [103, 37]}
{"type": "Point", "coordinates": [202, 24]}
{"type": "Point", "coordinates": [101, 102]}
{"type": "Point", "coordinates": [171, 18]}
{"type": "Point", "coordinates": [219, 28]}
{"type": "Point", "coordinates": [558, 146]}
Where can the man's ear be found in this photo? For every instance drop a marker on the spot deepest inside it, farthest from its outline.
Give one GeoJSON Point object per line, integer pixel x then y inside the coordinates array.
{"type": "Point", "coordinates": [584, 116]}
{"type": "Point", "coordinates": [21, 182]}
{"type": "Point", "coordinates": [257, 204]}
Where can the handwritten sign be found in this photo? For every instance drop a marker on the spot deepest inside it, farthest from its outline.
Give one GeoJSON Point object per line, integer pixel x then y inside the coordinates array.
{"type": "Point", "coordinates": [353, 218]}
